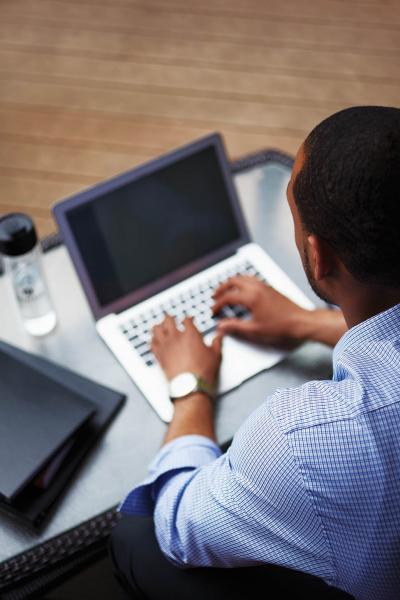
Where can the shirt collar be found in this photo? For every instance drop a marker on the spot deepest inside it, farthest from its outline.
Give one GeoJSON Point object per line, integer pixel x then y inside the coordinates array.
{"type": "Point", "coordinates": [383, 326]}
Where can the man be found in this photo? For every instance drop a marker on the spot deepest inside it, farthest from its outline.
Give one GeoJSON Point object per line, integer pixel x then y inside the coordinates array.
{"type": "Point", "coordinates": [311, 481]}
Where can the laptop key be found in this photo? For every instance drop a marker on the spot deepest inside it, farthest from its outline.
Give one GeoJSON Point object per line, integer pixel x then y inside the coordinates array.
{"type": "Point", "coordinates": [140, 343]}
{"type": "Point", "coordinates": [144, 350]}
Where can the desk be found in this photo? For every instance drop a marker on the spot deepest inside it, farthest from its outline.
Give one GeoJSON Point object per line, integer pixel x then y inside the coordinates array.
{"type": "Point", "coordinates": [120, 459]}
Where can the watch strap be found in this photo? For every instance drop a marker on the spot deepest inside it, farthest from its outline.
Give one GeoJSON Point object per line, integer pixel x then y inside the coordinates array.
{"type": "Point", "coordinates": [205, 387]}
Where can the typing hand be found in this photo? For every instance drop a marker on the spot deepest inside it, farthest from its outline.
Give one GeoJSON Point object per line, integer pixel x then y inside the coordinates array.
{"type": "Point", "coordinates": [274, 318]}
{"type": "Point", "coordinates": [178, 351]}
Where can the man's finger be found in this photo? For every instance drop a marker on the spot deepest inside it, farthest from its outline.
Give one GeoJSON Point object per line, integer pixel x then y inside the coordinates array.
{"type": "Point", "coordinates": [237, 327]}
{"type": "Point", "coordinates": [189, 325]}
{"type": "Point", "coordinates": [233, 296]}
{"type": "Point", "coordinates": [169, 324]}
{"type": "Point", "coordinates": [227, 285]}
{"type": "Point", "coordinates": [217, 344]}
{"type": "Point", "coordinates": [156, 332]}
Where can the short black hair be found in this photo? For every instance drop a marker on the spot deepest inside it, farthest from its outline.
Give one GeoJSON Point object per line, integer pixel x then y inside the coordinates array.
{"type": "Point", "coordinates": [348, 190]}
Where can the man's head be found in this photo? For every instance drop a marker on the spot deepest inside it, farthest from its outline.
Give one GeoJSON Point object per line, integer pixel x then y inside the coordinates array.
{"type": "Point", "coordinates": [345, 198]}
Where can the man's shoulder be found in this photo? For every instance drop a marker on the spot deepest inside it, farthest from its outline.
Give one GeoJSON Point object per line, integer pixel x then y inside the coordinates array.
{"type": "Point", "coordinates": [315, 403]}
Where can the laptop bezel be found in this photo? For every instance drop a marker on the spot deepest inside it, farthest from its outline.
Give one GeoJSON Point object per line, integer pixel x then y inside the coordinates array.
{"type": "Point", "coordinates": [62, 208]}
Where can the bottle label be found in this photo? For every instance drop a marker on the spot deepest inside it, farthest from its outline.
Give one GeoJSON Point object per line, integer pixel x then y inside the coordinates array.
{"type": "Point", "coordinates": [28, 284]}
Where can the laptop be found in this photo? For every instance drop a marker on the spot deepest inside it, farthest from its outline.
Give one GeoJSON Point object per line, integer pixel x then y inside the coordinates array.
{"type": "Point", "coordinates": [160, 239]}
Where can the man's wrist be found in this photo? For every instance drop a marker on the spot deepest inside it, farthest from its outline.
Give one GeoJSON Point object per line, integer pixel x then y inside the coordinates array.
{"type": "Point", "coordinates": [193, 415]}
{"type": "Point", "coordinates": [305, 325]}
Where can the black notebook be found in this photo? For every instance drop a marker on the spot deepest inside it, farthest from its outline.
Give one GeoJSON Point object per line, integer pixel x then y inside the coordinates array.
{"type": "Point", "coordinates": [96, 406]}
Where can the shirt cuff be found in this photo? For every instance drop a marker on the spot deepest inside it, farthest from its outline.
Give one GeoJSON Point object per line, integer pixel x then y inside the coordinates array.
{"type": "Point", "coordinates": [182, 454]}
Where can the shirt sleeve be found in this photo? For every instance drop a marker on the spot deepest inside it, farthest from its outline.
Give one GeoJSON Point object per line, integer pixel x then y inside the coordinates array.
{"type": "Point", "coordinates": [181, 455]}
{"type": "Point", "coordinates": [246, 507]}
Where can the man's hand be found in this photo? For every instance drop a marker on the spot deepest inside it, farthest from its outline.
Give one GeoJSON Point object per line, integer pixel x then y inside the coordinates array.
{"type": "Point", "coordinates": [179, 351]}
{"type": "Point", "coordinates": [275, 320]}
{"type": "Point", "coordinates": [274, 316]}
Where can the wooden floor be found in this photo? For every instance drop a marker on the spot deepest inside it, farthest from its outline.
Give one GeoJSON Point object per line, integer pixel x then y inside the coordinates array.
{"type": "Point", "coordinates": [89, 88]}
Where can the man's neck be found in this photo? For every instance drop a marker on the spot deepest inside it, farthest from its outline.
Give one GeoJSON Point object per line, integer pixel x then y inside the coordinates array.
{"type": "Point", "coordinates": [360, 302]}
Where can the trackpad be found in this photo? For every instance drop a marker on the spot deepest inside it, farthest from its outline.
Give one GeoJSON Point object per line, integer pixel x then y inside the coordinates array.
{"type": "Point", "coordinates": [241, 360]}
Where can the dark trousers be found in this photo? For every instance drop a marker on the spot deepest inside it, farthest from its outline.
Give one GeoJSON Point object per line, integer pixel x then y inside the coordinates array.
{"type": "Point", "coordinates": [143, 572]}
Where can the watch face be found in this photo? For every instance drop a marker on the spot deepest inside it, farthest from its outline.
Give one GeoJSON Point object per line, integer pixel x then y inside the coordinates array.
{"type": "Point", "coordinates": [182, 384]}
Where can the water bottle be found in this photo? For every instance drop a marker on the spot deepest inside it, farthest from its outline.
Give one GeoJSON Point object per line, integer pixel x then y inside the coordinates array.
{"type": "Point", "coordinates": [23, 265]}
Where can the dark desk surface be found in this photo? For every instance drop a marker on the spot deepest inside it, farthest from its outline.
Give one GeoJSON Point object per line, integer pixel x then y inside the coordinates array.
{"type": "Point", "coordinates": [121, 458]}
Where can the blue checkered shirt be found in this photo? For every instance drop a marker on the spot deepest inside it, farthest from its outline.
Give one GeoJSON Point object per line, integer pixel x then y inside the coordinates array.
{"type": "Point", "coordinates": [310, 482]}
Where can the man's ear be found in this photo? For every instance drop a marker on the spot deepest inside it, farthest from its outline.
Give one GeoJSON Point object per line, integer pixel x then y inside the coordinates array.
{"type": "Point", "coordinates": [321, 257]}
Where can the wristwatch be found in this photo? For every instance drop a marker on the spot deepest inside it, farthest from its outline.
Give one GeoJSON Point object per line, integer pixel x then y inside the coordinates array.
{"type": "Point", "coordinates": [187, 383]}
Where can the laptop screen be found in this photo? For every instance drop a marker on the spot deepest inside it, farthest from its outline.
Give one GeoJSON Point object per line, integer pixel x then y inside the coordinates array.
{"type": "Point", "coordinates": [156, 224]}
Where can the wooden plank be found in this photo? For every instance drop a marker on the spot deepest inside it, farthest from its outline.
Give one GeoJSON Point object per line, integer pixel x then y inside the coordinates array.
{"type": "Point", "coordinates": [293, 11]}
{"type": "Point", "coordinates": [212, 83]}
{"type": "Point", "coordinates": [230, 27]}
{"type": "Point", "coordinates": [61, 159]}
{"type": "Point", "coordinates": [30, 194]}
{"type": "Point", "coordinates": [28, 174]}
{"type": "Point", "coordinates": [263, 56]}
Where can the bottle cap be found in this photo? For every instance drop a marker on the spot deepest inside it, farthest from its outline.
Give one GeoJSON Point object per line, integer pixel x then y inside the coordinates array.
{"type": "Point", "coordinates": [17, 234]}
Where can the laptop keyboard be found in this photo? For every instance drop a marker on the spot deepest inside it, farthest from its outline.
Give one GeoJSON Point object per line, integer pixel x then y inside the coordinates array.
{"type": "Point", "coordinates": [195, 302]}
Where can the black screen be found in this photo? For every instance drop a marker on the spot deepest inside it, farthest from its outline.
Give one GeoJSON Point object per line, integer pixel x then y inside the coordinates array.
{"type": "Point", "coordinates": [154, 225]}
